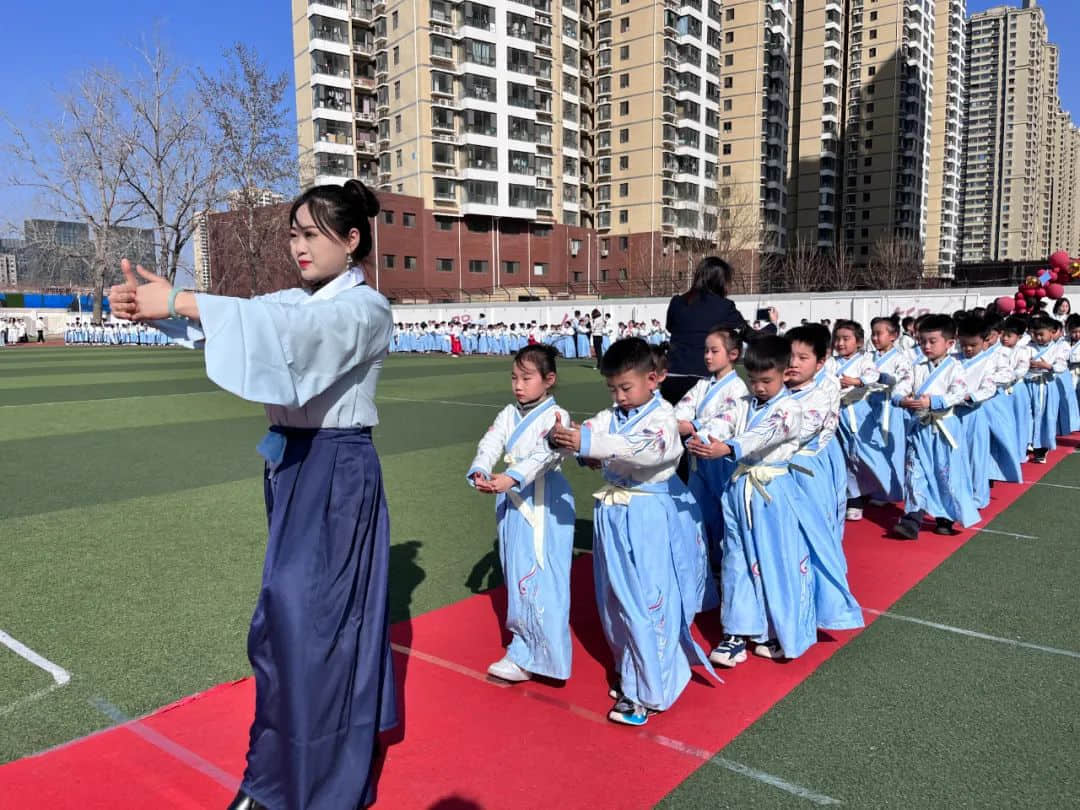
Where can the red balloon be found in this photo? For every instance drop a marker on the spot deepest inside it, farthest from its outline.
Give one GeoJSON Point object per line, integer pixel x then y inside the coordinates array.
{"type": "Point", "coordinates": [1021, 306]}
{"type": "Point", "coordinates": [1006, 304]}
{"type": "Point", "coordinates": [1055, 290]}
{"type": "Point", "coordinates": [1060, 259]}
{"type": "Point", "coordinates": [1039, 293]}
{"type": "Point", "coordinates": [1019, 297]}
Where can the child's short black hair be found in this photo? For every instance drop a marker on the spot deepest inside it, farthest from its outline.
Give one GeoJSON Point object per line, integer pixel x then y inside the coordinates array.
{"type": "Point", "coordinates": [889, 320]}
{"type": "Point", "coordinates": [660, 356]}
{"type": "Point", "coordinates": [1014, 325]}
{"type": "Point", "coordinates": [1073, 321]}
{"type": "Point", "coordinates": [767, 353]}
{"type": "Point", "coordinates": [731, 337]}
{"type": "Point", "coordinates": [938, 323]}
{"type": "Point", "coordinates": [539, 355]}
{"type": "Point", "coordinates": [972, 326]}
{"type": "Point", "coordinates": [907, 321]}
{"type": "Point", "coordinates": [628, 354]}
{"type": "Point", "coordinates": [1041, 321]}
{"type": "Point", "coordinates": [852, 326]}
{"type": "Point", "coordinates": [816, 339]}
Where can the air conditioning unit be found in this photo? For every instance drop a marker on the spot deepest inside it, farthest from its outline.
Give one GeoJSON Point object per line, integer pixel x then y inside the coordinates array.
{"type": "Point", "coordinates": [603, 253]}
{"type": "Point", "coordinates": [664, 252]}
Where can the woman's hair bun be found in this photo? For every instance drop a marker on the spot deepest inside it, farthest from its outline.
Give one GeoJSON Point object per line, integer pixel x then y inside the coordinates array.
{"type": "Point", "coordinates": [369, 201]}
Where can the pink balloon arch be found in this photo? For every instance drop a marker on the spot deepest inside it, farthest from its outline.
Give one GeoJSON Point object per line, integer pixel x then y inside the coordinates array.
{"type": "Point", "coordinates": [1048, 283]}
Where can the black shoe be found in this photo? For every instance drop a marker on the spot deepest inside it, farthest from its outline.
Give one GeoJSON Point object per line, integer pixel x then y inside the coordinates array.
{"type": "Point", "coordinates": [907, 528]}
{"type": "Point", "coordinates": [244, 802]}
{"type": "Point", "coordinates": [944, 526]}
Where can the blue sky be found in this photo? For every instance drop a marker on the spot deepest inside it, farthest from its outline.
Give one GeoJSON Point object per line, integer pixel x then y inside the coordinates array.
{"type": "Point", "coordinates": [50, 42]}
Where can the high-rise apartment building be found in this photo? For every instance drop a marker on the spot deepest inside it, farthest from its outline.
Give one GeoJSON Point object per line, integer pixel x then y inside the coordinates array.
{"type": "Point", "coordinates": [1011, 81]}
{"type": "Point", "coordinates": [200, 242]}
{"type": "Point", "coordinates": [1065, 186]}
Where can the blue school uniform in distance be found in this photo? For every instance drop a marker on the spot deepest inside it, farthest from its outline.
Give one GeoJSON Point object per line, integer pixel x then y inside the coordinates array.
{"type": "Point", "coordinates": [319, 641]}
{"type": "Point", "coordinates": [536, 536]}
{"type": "Point", "coordinates": [767, 580]}
{"type": "Point", "coordinates": [1045, 396]}
{"type": "Point", "coordinates": [815, 474]}
{"type": "Point", "coordinates": [649, 557]}
{"type": "Point", "coordinates": [937, 476]}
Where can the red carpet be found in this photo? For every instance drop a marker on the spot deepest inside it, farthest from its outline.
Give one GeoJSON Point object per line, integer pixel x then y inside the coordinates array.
{"type": "Point", "coordinates": [467, 743]}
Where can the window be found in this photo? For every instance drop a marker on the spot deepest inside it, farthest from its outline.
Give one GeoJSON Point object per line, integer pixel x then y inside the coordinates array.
{"type": "Point", "coordinates": [388, 216]}
{"type": "Point", "coordinates": [729, 37]}
{"type": "Point", "coordinates": [540, 268]}
{"type": "Point", "coordinates": [408, 220]}
{"type": "Point", "coordinates": [873, 52]}
{"type": "Point", "coordinates": [397, 54]}
{"type": "Point", "coordinates": [624, 80]}
{"type": "Point", "coordinates": [623, 274]}
{"type": "Point", "coordinates": [624, 162]}
{"type": "Point", "coordinates": [873, 16]}
{"type": "Point", "coordinates": [444, 265]}
{"type": "Point", "coordinates": [624, 217]}
{"type": "Point", "coordinates": [397, 123]}
{"type": "Point", "coordinates": [729, 14]}
{"type": "Point", "coordinates": [624, 52]}
{"type": "Point", "coordinates": [394, 21]}
{"type": "Point", "coordinates": [725, 171]}
{"type": "Point", "coordinates": [541, 231]}
{"type": "Point", "coordinates": [729, 82]}
{"type": "Point", "coordinates": [873, 33]}
{"type": "Point", "coordinates": [624, 24]}
{"type": "Point", "coordinates": [388, 260]}
{"type": "Point", "coordinates": [624, 136]}
{"type": "Point", "coordinates": [444, 223]}
{"type": "Point", "coordinates": [727, 105]}
{"type": "Point", "coordinates": [727, 126]}
{"type": "Point", "coordinates": [410, 262]}
{"type": "Point", "coordinates": [624, 108]}
{"type": "Point", "coordinates": [729, 60]}
{"type": "Point", "coordinates": [478, 265]}
{"type": "Point", "coordinates": [624, 189]}
{"type": "Point", "coordinates": [727, 149]}
{"type": "Point", "coordinates": [397, 90]}
{"type": "Point", "coordinates": [399, 157]}
{"type": "Point", "coordinates": [511, 268]}
{"type": "Point", "coordinates": [870, 71]}
{"type": "Point", "coordinates": [624, 243]}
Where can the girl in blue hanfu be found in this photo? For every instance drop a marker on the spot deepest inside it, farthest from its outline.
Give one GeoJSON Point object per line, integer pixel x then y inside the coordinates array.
{"type": "Point", "coordinates": [767, 582]}
{"type": "Point", "coordinates": [881, 439]}
{"type": "Point", "coordinates": [816, 473]}
{"type": "Point", "coordinates": [937, 479]}
{"type": "Point", "coordinates": [709, 410]}
{"type": "Point", "coordinates": [319, 641]}
{"type": "Point", "coordinates": [649, 575]}
{"type": "Point", "coordinates": [535, 514]}
{"type": "Point", "coordinates": [858, 374]}
{"type": "Point", "coordinates": [1005, 459]}
{"type": "Point", "coordinates": [1069, 410]}
{"type": "Point", "coordinates": [1046, 362]}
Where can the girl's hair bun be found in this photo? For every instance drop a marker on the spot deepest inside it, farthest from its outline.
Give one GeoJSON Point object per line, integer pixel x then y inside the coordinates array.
{"type": "Point", "coordinates": [368, 200]}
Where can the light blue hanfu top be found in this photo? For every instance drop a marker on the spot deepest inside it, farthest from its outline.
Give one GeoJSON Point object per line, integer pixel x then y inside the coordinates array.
{"type": "Point", "coordinates": [313, 359]}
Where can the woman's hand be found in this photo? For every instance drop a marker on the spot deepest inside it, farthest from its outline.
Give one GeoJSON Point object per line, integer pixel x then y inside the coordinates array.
{"type": "Point", "coordinates": [133, 301]}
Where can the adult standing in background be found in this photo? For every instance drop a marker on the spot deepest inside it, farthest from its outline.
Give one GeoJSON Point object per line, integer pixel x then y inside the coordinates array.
{"type": "Point", "coordinates": [690, 316]}
{"type": "Point", "coordinates": [40, 324]}
{"type": "Point", "coordinates": [596, 326]}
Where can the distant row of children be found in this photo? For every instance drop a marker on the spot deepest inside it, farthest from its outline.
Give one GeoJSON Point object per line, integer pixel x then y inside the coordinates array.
{"type": "Point", "coordinates": [932, 416]}
{"type": "Point", "coordinates": [120, 333]}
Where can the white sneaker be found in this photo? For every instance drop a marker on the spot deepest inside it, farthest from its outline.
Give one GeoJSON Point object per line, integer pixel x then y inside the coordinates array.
{"type": "Point", "coordinates": [853, 513]}
{"type": "Point", "coordinates": [506, 670]}
{"type": "Point", "coordinates": [770, 649]}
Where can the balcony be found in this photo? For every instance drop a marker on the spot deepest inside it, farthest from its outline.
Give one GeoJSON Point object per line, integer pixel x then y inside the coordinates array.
{"type": "Point", "coordinates": [334, 9]}
{"type": "Point", "coordinates": [364, 82]}
{"type": "Point", "coordinates": [366, 117]}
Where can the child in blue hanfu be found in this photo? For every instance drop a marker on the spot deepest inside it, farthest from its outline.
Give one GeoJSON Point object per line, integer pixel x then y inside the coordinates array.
{"type": "Point", "coordinates": [858, 375]}
{"type": "Point", "coordinates": [767, 578]}
{"type": "Point", "coordinates": [937, 480]}
{"type": "Point", "coordinates": [1046, 363]}
{"type": "Point", "coordinates": [535, 513]}
{"type": "Point", "coordinates": [709, 409]}
{"type": "Point", "coordinates": [1013, 330]}
{"type": "Point", "coordinates": [649, 574]}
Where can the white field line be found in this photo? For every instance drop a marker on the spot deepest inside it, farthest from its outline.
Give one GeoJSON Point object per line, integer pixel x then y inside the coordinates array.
{"type": "Point", "coordinates": [28, 699]}
{"type": "Point", "coordinates": [110, 399]}
{"type": "Point", "coordinates": [1007, 534]}
{"type": "Point", "coordinates": [59, 675]}
{"type": "Point", "coordinates": [974, 634]}
{"type": "Point", "coordinates": [1056, 486]}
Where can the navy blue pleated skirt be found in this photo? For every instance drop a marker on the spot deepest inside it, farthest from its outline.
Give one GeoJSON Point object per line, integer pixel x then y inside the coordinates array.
{"type": "Point", "coordinates": [319, 642]}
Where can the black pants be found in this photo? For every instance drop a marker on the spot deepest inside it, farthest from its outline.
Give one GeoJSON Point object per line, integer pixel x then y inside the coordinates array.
{"type": "Point", "coordinates": [673, 389]}
{"type": "Point", "coordinates": [598, 348]}
{"type": "Point", "coordinates": [40, 336]}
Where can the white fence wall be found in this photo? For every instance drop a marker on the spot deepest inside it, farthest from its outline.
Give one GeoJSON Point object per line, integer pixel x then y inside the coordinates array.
{"type": "Point", "coordinates": [793, 307]}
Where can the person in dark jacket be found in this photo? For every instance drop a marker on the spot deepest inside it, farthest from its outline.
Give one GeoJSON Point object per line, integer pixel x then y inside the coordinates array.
{"type": "Point", "coordinates": [690, 318]}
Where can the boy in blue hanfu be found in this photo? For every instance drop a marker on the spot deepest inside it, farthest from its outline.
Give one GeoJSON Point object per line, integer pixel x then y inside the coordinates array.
{"type": "Point", "coordinates": [767, 582]}
{"type": "Point", "coordinates": [1005, 457]}
{"type": "Point", "coordinates": [1013, 331]}
{"type": "Point", "coordinates": [1046, 362]}
{"type": "Point", "coordinates": [1069, 410]}
{"type": "Point", "coordinates": [976, 361]}
{"type": "Point", "coordinates": [858, 374]}
{"type": "Point", "coordinates": [709, 409]}
{"type": "Point", "coordinates": [937, 475]}
{"type": "Point", "coordinates": [535, 514]}
{"type": "Point", "coordinates": [648, 581]}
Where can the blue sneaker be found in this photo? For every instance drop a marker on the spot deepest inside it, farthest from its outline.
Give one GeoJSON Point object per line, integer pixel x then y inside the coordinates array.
{"type": "Point", "coordinates": [628, 713]}
{"type": "Point", "coordinates": [729, 652]}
